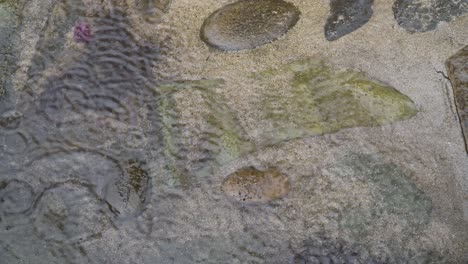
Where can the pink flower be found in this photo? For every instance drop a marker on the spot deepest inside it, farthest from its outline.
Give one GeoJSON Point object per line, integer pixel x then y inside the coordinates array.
{"type": "Point", "coordinates": [82, 32]}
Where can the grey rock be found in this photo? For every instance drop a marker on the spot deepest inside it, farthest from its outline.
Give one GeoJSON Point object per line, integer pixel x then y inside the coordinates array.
{"type": "Point", "coordinates": [392, 191]}
{"type": "Point", "coordinates": [347, 16]}
{"type": "Point", "coordinates": [423, 15]}
{"type": "Point", "coordinates": [247, 24]}
{"type": "Point", "coordinates": [457, 67]}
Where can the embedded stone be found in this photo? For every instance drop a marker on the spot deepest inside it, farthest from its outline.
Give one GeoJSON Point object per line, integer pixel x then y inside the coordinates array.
{"type": "Point", "coordinates": [252, 185]}
{"type": "Point", "coordinates": [347, 16]}
{"type": "Point", "coordinates": [457, 67]}
{"type": "Point", "coordinates": [423, 15]}
{"type": "Point", "coordinates": [200, 131]}
{"type": "Point", "coordinates": [321, 100]}
{"type": "Point", "coordinates": [247, 24]}
{"type": "Point", "coordinates": [393, 195]}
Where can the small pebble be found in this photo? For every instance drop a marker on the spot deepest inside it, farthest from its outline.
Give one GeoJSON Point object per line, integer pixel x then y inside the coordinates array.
{"type": "Point", "coordinates": [252, 185]}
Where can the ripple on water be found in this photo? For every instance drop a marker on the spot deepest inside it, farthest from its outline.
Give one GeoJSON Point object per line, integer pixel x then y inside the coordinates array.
{"type": "Point", "coordinates": [15, 197]}
{"type": "Point", "coordinates": [70, 212]}
{"type": "Point", "coordinates": [14, 142]}
{"type": "Point", "coordinates": [122, 185]}
{"type": "Point", "coordinates": [199, 130]}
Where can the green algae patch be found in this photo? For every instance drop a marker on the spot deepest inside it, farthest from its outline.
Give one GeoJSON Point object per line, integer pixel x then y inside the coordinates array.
{"type": "Point", "coordinates": [200, 131]}
{"type": "Point", "coordinates": [307, 97]}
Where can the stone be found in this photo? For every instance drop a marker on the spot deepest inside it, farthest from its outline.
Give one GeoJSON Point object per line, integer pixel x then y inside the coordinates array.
{"type": "Point", "coordinates": [457, 68]}
{"type": "Point", "coordinates": [247, 24]}
{"type": "Point", "coordinates": [321, 249]}
{"type": "Point", "coordinates": [423, 15]}
{"type": "Point", "coordinates": [10, 119]}
{"type": "Point", "coordinates": [392, 194]}
{"type": "Point", "coordinates": [347, 16]}
{"type": "Point", "coordinates": [321, 100]}
{"type": "Point", "coordinates": [253, 185]}
{"type": "Point", "coordinates": [325, 250]}
{"type": "Point", "coordinates": [199, 130]}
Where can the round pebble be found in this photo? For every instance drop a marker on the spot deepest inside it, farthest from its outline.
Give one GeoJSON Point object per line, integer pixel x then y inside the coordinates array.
{"type": "Point", "coordinates": [247, 24]}
{"type": "Point", "coordinates": [252, 185]}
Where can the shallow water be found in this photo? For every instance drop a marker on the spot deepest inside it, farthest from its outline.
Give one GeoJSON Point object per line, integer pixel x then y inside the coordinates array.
{"type": "Point", "coordinates": [124, 143]}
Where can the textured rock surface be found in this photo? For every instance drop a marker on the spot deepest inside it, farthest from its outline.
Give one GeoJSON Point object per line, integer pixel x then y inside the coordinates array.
{"type": "Point", "coordinates": [457, 67]}
{"type": "Point", "coordinates": [347, 16]}
{"type": "Point", "coordinates": [9, 22]}
{"type": "Point", "coordinates": [252, 185]}
{"type": "Point", "coordinates": [247, 24]}
{"type": "Point", "coordinates": [199, 130]}
{"type": "Point", "coordinates": [321, 100]}
{"type": "Point", "coordinates": [423, 15]}
{"type": "Point", "coordinates": [322, 250]}
{"type": "Point", "coordinates": [96, 129]}
{"type": "Point", "coordinates": [393, 196]}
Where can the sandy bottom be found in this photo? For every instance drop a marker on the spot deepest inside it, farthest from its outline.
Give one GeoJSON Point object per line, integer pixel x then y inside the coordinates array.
{"type": "Point", "coordinates": [430, 144]}
{"type": "Point", "coordinates": [183, 225]}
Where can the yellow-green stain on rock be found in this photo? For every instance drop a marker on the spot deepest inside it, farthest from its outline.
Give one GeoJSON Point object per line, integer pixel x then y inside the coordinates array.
{"type": "Point", "coordinates": [308, 97]}
{"type": "Point", "coordinates": [199, 130]}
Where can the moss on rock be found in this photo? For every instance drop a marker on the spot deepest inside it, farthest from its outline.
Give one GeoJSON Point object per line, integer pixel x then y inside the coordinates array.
{"type": "Point", "coordinates": [199, 129]}
{"type": "Point", "coordinates": [307, 97]}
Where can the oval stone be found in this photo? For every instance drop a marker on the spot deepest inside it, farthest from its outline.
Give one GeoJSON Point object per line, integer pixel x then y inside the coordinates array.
{"type": "Point", "coordinates": [252, 185]}
{"type": "Point", "coordinates": [247, 24]}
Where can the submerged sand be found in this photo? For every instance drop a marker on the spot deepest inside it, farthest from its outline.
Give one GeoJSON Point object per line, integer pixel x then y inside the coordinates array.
{"type": "Point", "coordinates": [430, 144]}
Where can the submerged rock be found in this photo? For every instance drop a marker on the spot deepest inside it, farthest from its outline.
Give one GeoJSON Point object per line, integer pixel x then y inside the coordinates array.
{"type": "Point", "coordinates": [199, 129]}
{"type": "Point", "coordinates": [320, 249]}
{"type": "Point", "coordinates": [393, 196]}
{"type": "Point", "coordinates": [252, 185]}
{"type": "Point", "coordinates": [323, 250]}
{"type": "Point", "coordinates": [457, 67]}
{"type": "Point", "coordinates": [321, 100]}
{"type": "Point", "coordinates": [346, 16]}
{"type": "Point", "coordinates": [423, 15]}
{"type": "Point", "coordinates": [247, 24]}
